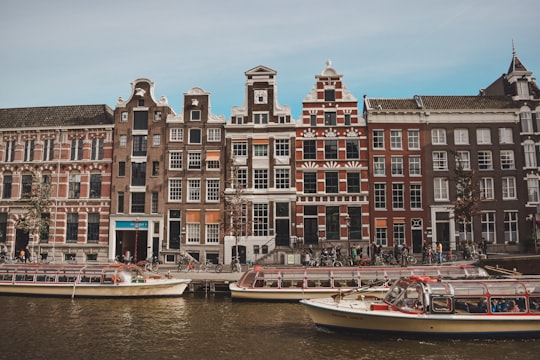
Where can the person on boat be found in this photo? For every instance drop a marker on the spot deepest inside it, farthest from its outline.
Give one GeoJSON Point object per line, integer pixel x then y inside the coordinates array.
{"type": "Point", "coordinates": [502, 305]}
{"type": "Point", "coordinates": [439, 253]}
{"type": "Point", "coordinates": [512, 306]}
{"type": "Point", "coordinates": [483, 305]}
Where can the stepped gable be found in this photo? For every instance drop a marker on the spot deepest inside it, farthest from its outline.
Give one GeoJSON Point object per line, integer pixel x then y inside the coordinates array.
{"type": "Point", "coordinates": [54, 116]}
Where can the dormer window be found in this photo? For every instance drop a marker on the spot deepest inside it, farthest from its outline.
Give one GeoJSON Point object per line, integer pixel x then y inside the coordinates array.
{"type": "Point", "coordinates": [329, 95]}
{"type": "Point", "coordinates": [523, 88]}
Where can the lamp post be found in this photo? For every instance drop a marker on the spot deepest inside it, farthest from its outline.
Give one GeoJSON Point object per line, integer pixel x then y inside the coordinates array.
{"type": "Point", "coordinates": [137, 225]}
{"type": "Point", "coordinates": [348, 220]}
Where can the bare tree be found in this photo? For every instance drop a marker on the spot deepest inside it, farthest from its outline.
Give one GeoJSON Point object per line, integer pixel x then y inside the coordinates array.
{"type": "Point", "coordinates": [35, 220]}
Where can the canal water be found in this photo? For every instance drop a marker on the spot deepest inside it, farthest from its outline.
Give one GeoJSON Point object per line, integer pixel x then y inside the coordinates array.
{"type": "Point", "coordinates": [196, 326]}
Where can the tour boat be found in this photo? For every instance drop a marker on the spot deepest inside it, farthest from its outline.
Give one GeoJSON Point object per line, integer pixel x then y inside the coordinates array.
{"type": "Point", "coordinates": [295, 283]}
{"type": "Point", "coordinates": [111, 280]}
{"type": "Point", "coordinates": [423, 305]}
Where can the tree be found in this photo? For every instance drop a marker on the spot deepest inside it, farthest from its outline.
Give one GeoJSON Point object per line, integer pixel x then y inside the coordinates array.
{"type": "Point", "coordinates": [35, 220]}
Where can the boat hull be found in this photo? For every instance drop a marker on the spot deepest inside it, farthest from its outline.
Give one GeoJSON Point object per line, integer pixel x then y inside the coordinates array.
{"type": "Point", "coordinates": [168, 287]}
{"type": "Point", "coordinates": [358, 316]}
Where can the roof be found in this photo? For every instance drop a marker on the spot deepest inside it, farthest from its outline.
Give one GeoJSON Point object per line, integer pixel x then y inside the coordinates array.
{"type": "Point", "coordinates": [442, 103]}
{"type": "Point", "coordinates": [56, 116]}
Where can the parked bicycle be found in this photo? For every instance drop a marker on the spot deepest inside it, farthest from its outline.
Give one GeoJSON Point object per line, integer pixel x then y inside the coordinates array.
{"type": "Point", "coordinates": [208, 265]}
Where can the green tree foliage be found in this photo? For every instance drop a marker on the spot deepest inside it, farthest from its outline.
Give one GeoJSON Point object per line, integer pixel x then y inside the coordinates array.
{"type": "Point", "coordinates": [35, 220]}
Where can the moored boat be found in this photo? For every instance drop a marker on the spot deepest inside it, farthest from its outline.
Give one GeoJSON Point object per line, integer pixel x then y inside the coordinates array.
{"type": "Point", "coordinates": [111, 280]}
{"type": "Point", "coordinates": [295, 283]}
{"type": "Point", "coordinates": [422, 305]}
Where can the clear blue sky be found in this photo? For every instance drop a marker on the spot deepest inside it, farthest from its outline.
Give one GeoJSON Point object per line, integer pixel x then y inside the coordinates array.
{"type": "Point", "coordinates": [66, 52]}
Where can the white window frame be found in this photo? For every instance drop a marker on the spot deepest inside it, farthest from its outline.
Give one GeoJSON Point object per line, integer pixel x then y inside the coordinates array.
{"type": "Point", "coordinates": [175, 160]}
{"type": "Point", "coordinates": [509, 188]}
{"type": "Point", "coordinates": [397, 165]}
{"type": "Point", "coordinates": [379, 165]}
{"type": "Point", "coordinates": [440, 189]}
{"type": "Point", "coordinates": [415, 165]}
{"type": "Point", "coordinates": [440, 160]}
{"type": "Point", "coordinates": [176, 135]}
{"type": "Point", "coordinates": [463, 157]}
{"type": "Point", "coordinates": [194, 190]}
{"type": "Point", "coordinates": [487, 191]}
{"type": "Point", "coordinates": [175, 190]}
{"type": "Point", "coordinates": [506, 136]}
{"type": "Point", "coordinates": [461, 136]}
{"type": "Point", "coordinates": [396, 140]}
{"type": "Point", "coordinates": [438, 136]}
{"type": "Point", "coordinates": [213, 134]}
{"type": "Point", "coordinates": [507, 160]}
{"type": "Point", "coordinates": [212, 190]}
{"type": "Point", "coordinates": [485, 160]}
{"type": "Point", "coordinates": [413, 139]}
{"type": "Point", "coordinates": [483, 136]}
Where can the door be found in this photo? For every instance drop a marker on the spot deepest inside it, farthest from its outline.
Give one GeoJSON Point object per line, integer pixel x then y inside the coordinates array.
{"type": "Point", "coordinates": [283, 237]}
{"type": "Point", "coordinates": [311, 231]}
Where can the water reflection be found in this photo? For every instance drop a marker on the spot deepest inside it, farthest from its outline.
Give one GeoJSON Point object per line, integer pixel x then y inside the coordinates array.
{"type": "Point", "coordinates": [197, 327]}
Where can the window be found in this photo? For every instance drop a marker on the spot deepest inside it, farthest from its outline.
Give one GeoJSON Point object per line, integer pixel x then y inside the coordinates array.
{"type": "Point", "coordinates": [508, 188]}
{"type": "Point", "coordinates": [438, 136]}
{"type": "Point", "coordinates": [506, 136]}
{"type": "Point", "coordinates": [380, 196]}
{"type": "Point", "coordinates": [175, 189]}
{"type": "Point", "coordinates": [138, 174]}
{"type": "Point", "coordinates": [194, 160]}
{"type": "Point", "coordinates": [194, 190]}
{"type": "Point", "coordinates": [379, 165]}
{"type": "Point", "coordinates": [463, 159]}
{"type": "Point", "coordinates": [511, 226]}
{"type": "Point", "coordinates": [95, 186]}
{"type": "Point", "coordinates": [120, 200]}
{"type": "Point", "coordinates": [260, 178]}
{"type": "Point", "coordinates": [48, 149]}
{"type": "Point", "coordinates": [260, 150]}
{"type": "Point", "coordinates": [139, 145]}
{"type": "Point", "coordinates": [313, 120]}
{"type": "Point", "coordinates": [378, 139]}
{"type": "Point", "coordinates": [141, 120]}
{"type": "Point", "coordinates": [507, 160]}
{"type": "Point", "coordinates": [195, 136]}
{"type": "Point", "coordinates": [525, 118]}
{"type": "Point", "coordinates": [3, 227]}
{"type": "Point", "coordinates": [137, 202]}
{"type": "Point", "coordinates": [329, 95]}
{"type": "Point", "coordinates": [156, 140]}
{"type": "Point", "coordinates": [485, 160]}
{"type": "Point", "coordinates": [176, 135]}
{"type": "Point", "coordinates": [212, 233]}
{"type": "Point", "coordinates": [213, 134]}
{"type": "Point", "coordinates": [74, 186]}
{"type": "Point", "coordinates": [330, 149]}
{"type": "Point", "coordinates": [123, 141]}
{"type": "Point", "coordinates": [282, 147]}
{"type": "Point", "coordinates": [97, 149]}
{"type": "Point", "coordinates": [260, 219]}
{"type": "Point", "coordinates": [533, 190]}
{"type": "Point", "coordinates": [483, 137]}
{"type": "Point", "coordinates": [530, 154]}
{"type": "Point", "coordinates": [195, 115]}
{"type": "Point", "coordinates": [310, 149]}
{"type": "Point", "coordinates": [212, 190]}
{"type": "Point", "coordinates": [241, 178]}
{"type": "Point", "coordinates": [310, 182]}
{"type": "Point", "coordinates": [330, 118]}
{"type": "Point", "coordinates": [413, 139]}
{"type": "Point", "coordinates": [260, 96]}
{"type": "Point", "coordinates": [175, 160]}
{"type": "Point", "coordinates": [461, 136]}
{"type": "Point", "coordinates": [415, 166]}
{"type": "Point", "coordinates": [397, 165]}
{"type": "Point", "coordinates": [331, 182]}
{"type": "Point", "coordinates": [353, 183]}
{"type": "Point", "coordinates": [486, 188]}
{"type": "Point", "coordinates": [239, 120]}
{"type": "Point", "coordinates": [76, 149]}
{"type": "Point", "coordinates": [347, 119]}
{"type": "Point", "coordinates": [381, 235]}
{"type": "Point", "coordinates": [155, 204]}
{"type": "Point", "coordinates": [398, 201]}
{"type": "Point", "coordinates": [193, 233]}
{"type": "Point", "coordinates": [10, 151]}
{"type": "Point", "coordinates": [399, 233]}
{"type": "Point", "coordinates": [440, 189]}
{"type": "Point", "coordinates": [121, 168]}
{"type": "Point", "coordinates": [352, 149]}
{"type": "Point", "coordinates": [29, 150]}
{"type": "Point", "coordinates": [332, 222]}
{"type": "Point", "coordinates": [157, 116]}
{"type": "Point", "coordinates": [396, 141]}
{"type": "Point", "coordinates": [239, 148]}
{"type": "Point", "coordinates": [92, 235]}
{"type": "Point", "coordinates": [72, 231]}
{"type": "Point", "coordinates": [155, 168]}
{"type": "Point", "coordinates": [440, 162]}
{"type": "Point", "coordinates": [124, 117]}
{"type": "Point", "coordinates": [282, 180]}
{"type": "Point", "coordinates": [260, 118]}
{"type": "Point", "coordinates": [6, 186]}
{"type": "Point", "coordinates": [487, 220]}
{"type": "Point", "coordinates": [416, 196]}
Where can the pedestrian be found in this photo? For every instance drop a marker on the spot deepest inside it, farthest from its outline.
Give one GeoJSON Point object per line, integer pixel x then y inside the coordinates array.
{"type": "Point", "coordinates": [439, 253]}
{"type": "Point", "coordinates": [404, 254]}
{"type": "Point", "coordinates": [484, 246]}
{"type": "Point", "coordinates": [353, 255]}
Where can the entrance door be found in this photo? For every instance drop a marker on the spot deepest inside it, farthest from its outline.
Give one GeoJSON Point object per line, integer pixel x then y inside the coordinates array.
{"type": "Point", "coordinates": [283, 237]}
{"type": "Point", "coordinates": [241, 252]}
{"type": "Point", "coordinates": [21, 240]}
{"type": "Point", "coordinates": [417, 241]}
{"type": "Point", "coordinates": [311, 231]}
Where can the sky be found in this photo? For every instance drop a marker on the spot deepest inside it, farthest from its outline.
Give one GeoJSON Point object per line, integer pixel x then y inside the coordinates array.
{"type": "Point", "coordinates": [68, 52]}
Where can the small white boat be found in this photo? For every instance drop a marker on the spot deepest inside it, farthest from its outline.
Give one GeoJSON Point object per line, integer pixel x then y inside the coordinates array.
{"type": "Point", "coordinates": [422, 306]}
{"type": "Point", "coordinates": [295, 283]}
{"type": "Point", "coordinates": [112, 280]}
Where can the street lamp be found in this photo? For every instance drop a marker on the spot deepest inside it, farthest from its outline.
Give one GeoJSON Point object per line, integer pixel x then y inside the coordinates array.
{"type": "Point", "coordinates": [137, 225]}
{"type": "Point", "coordinates": [348, 220]}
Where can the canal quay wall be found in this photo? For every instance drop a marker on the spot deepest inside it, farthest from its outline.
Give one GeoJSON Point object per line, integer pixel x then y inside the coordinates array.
{"type": "Point", "coordinates": [204, 281]}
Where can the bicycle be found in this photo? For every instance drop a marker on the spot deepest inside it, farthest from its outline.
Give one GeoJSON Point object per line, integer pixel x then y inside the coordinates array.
{"type": "Point", "coordinates": [208, 264]}
{"type": "Point", "coordinates": [449, 257]}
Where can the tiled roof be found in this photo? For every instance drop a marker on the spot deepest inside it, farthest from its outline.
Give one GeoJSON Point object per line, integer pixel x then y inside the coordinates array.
{"type": "Point", "coordinates": [56, 116]}
{"type": "Point", "coordinates": [443, 103]}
